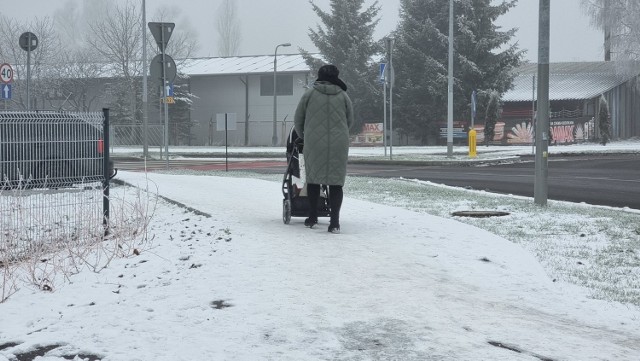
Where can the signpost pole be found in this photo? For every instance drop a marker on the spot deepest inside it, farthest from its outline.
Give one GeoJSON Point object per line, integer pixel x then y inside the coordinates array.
{"type": "Point", "coordinates": [162, 33]}
{"type": "Point", "coordinates": [391, 74]}
{"type": "Point", "coordinates": [226, 143]}
{"type": "Point", "coordinates": [164, 99]}
{"type": "Point", "coordinates": [474, 102]}
{"type": "Point", "coordinates": [28, 41]}
{"type": "Point", "coordinates": [29, 72]}
{"type": "Point", "coordinates": [384, 102]}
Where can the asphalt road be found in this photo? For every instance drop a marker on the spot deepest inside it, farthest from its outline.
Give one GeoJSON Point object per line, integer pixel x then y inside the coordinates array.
{"type": "Point", "coordinates": [610, 180]}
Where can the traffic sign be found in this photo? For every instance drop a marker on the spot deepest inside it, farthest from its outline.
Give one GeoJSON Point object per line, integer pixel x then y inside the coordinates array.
{"type": "Point", "coordinates": [382, 73]}
{"type": "Point", "coordinates": [226, 121]}
{"type": "Point", "coordinates": [155, 69]}
{"type": "Point", "coordinates": [6, 91]}
{"type": "Point", "coordinates": [6, 73]}
{"type": "Point", "coordinates": [28, 41]}
{"type": "Point", "coordinates": [161, 32]}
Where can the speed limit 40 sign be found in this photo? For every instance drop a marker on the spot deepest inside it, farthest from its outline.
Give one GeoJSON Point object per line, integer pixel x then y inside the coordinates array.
{"type": "Point", "coordinates": [6, 73]}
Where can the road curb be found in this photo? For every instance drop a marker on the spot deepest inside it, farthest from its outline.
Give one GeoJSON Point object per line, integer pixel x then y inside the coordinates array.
{"type": "Point", "coordinates": [351, 160]}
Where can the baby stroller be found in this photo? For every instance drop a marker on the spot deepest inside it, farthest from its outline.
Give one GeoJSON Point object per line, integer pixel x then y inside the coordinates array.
{"type": "Point", "coordinates": [295, 202]}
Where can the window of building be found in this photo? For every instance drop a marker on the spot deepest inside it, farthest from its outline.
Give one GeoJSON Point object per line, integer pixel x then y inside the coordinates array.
{"type": "Point", "coordinates": [284, 85]}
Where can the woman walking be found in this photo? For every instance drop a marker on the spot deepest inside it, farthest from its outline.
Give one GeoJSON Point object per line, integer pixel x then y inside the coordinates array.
{"type": "Point", "coordinates": [323, 118]}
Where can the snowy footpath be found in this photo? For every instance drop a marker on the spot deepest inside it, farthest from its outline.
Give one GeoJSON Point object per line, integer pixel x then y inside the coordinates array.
{"type": "Point", "coordinates": [233, 282]}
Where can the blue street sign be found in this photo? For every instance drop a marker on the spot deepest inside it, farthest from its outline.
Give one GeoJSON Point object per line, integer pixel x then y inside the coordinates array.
{"type": "Point", "coordinates": [170, 90]}
{"type": "Point", "coordinates": [381, 78]}
{"type": "Point", "coordinates": [6, 91]}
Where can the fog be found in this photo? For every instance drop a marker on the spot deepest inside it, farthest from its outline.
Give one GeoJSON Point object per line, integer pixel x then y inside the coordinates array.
{"type": "Point", "coordinates": [266, 23]}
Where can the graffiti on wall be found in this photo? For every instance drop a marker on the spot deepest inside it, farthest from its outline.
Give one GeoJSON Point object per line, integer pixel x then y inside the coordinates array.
{"type": "Point", "coordinates": [572, 131]}
{"type": "Point", "coordinates": [371, 134]}
{"type": "Point", "coordinates": [522, 132]}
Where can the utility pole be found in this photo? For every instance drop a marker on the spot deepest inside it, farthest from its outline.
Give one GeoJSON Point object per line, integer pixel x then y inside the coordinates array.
{"type": "Point", "coordinates": [145, 107]}
{"type": "Point", "coordinates": [392, 75]}
{"type": "Point", "coordinates": [542, 127]}
{"type": "Point", "coordinates": [450, 86]}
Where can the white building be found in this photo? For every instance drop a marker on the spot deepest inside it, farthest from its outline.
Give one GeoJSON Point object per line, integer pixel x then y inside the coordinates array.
{"type": "Point", "coordinates": [244, 85]}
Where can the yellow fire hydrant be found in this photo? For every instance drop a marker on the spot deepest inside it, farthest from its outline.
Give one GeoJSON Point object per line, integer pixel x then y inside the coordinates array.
{"type": "Point", "coordinates": [472, 143]}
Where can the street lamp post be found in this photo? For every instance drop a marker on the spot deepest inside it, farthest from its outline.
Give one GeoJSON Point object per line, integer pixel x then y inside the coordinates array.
{"type": "Point", "coordinates": [274, 137]}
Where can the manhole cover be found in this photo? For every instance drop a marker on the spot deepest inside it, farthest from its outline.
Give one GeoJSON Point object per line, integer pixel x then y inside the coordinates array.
{"type": "Point", "coordinates": [480, 214]}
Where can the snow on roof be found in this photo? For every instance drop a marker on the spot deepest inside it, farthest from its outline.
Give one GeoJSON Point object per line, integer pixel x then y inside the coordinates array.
{"type": "Point", "coordinates": [234, 65]}
{"type": "Point", "coordinates": [571, 80]}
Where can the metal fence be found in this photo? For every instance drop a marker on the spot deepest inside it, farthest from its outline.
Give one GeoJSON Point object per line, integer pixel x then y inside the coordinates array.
{"type": "Point", "coordinates": [55, 180]}
{"type": "Point", "coordinates": [133, 135]}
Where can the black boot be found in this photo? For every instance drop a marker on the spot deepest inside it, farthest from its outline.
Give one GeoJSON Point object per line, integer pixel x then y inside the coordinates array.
{"type": "Point", "coordinates": [335, 202]}
{"type": "Point", "coordinates": [313, 193]}
{"type": "Point", "coordinates": [310, 222]}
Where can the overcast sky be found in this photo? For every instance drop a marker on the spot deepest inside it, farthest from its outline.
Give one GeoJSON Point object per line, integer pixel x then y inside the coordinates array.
{"type": "Point", "coordinates": [267, 23]}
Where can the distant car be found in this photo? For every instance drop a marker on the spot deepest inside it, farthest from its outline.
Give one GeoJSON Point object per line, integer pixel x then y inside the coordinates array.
{"type": "Point", "coordinates": [46, 149]}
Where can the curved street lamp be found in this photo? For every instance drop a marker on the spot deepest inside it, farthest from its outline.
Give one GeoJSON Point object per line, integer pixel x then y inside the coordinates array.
{"type": "Point", "coordinates": [274, 137]}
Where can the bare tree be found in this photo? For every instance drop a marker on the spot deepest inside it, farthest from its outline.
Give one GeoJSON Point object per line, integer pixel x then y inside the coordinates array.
{"type": "Point", "coordinates": [228, 27]}
{"type": "Point", "coordinates": [620, 23]}
{"type": "Point", "coordinates": [77, 85]}
{"type": "Point", "coordinates": [117, 38]}
{"type": "Point", "coordinates": [184, 40]}
{"type": "Point", "coordinates": [80, 65]}
{"type": "Point", "coordinates": [42, 59]}
{"type": "Point", "coordinates": [69, 25]}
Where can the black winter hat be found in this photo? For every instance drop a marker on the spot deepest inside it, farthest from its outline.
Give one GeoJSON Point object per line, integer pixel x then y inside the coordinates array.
{"type": "Point", "coordinates": [329, 73]}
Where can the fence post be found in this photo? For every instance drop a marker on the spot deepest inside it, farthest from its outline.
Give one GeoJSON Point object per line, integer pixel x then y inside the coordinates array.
{"type": "Point", "coordinates": [106, 171]}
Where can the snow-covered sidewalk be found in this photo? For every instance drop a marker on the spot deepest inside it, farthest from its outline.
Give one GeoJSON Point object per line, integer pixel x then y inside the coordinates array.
{"type": "Point", "coordinates": [235, 283]}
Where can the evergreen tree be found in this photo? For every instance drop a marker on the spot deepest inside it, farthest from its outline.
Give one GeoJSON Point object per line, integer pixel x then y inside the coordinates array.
{"type": "Point", "coordinates": [604, 122]}
{"type": "Point", "coordinates": [493, 112]}
{"type": "Point", "coordinates": [483, 60]}
{"type": "Point", "coordinates": [346, 40]}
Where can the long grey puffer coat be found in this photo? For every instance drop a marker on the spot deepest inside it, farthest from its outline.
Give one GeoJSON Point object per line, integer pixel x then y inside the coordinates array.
{"type": "Point", "coordinates": [323, 118]}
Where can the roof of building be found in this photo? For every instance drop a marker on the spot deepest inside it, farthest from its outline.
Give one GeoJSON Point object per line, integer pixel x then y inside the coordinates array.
{"type": "Point", "coordinates": [568, 81]}
{"type": "Point", "coordinates": [235, 65]}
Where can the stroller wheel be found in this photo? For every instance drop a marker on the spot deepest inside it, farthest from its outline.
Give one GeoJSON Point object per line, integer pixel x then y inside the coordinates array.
{"type": "Point", "coordinates": [286, 211]}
